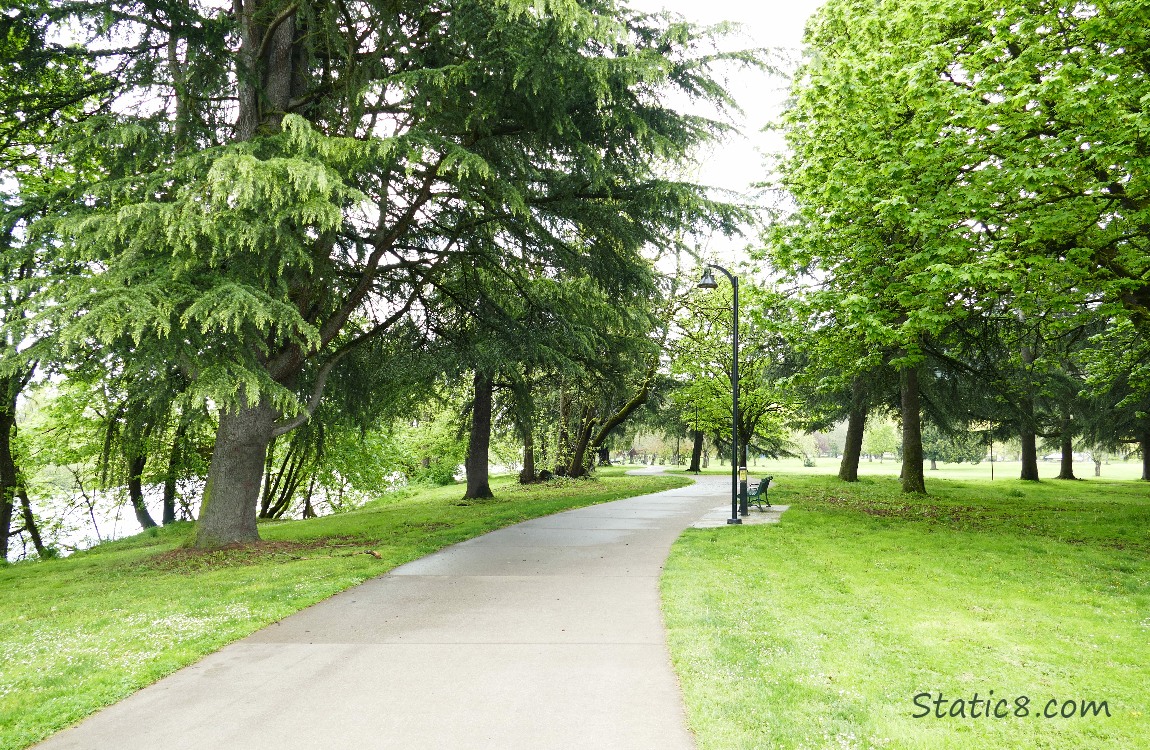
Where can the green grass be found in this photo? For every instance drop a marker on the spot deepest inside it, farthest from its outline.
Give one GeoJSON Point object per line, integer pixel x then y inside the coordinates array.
{"type": "Point", "coordinates": [83, 632]}
{"type": "Point", "coordinates": [818, 632]}
{"type": "Point", "coordinates": [1003, 470]}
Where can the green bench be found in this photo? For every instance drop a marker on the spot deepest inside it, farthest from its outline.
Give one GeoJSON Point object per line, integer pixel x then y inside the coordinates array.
{"type": "Point", "coordinates": [758, 496]}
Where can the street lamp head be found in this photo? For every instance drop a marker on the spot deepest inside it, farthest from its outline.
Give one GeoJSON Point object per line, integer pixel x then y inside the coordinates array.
{"type": "Point", "coordinates": [708, 280]}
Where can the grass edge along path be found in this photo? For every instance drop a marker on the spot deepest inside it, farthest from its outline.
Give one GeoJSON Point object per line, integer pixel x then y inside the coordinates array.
{"type": "Point", "coordinates": [81, 633]}
{"type": "Point", "coordinates": [820, 631]}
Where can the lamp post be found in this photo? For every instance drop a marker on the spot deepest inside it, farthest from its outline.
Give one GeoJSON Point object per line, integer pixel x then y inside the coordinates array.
{"type": "Point", "coordinates": [694, 442]}
{"type": "Point", "coordinates": [708, 282]}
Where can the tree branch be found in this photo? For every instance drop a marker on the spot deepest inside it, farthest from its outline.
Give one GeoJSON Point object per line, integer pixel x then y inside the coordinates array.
{"type": "Point", "coordinates": [278, 21]}
{"type": "Point", "coordinates": [618, 417]}
{"type": "Point", "coordinates": [282, 427]}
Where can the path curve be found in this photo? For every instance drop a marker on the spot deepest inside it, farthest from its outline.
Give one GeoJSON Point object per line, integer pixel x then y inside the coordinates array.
{"type": "Point", "coordinates": [547, 634]}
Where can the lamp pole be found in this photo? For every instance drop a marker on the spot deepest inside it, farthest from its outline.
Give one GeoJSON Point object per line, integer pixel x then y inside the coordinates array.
{"type": "Point", "coordinates": [708, 282]}
{"type": "Point", "coordinates": [694, 441]}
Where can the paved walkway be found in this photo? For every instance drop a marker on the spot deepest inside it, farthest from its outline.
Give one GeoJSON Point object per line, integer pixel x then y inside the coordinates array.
{"type": "Point", "coordinates": [545, 635]}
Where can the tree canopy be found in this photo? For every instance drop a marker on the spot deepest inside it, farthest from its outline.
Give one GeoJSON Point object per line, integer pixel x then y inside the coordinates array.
{"type": "Point", "coordinates": [263, 191]}
{"type": "Point", "coordinates": [955, 162]}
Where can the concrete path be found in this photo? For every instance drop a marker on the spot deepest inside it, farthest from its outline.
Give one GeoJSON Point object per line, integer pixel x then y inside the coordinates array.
{"type": "Point", "coordinates": [545, 635]}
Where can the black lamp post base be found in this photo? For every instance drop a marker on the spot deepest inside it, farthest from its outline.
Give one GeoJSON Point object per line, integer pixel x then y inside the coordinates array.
{"type": "Point", "coordinates": [734, 520]}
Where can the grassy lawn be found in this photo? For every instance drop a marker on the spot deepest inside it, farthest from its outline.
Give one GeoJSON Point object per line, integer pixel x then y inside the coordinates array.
{"type": "Point", "coordinates": [83, 632]}
{"type": "Point", "coordinates": [819, 632]}
{"type": "Point", "coordinates": [1003, 470]}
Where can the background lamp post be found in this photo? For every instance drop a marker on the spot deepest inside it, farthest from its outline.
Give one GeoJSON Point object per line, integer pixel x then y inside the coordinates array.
{"type": "Point", "coordinates": [695, 439]}
{"type": "Point", "coordinates": [742, 490]}
{"type": "Point", "coordinates": [708, 282]}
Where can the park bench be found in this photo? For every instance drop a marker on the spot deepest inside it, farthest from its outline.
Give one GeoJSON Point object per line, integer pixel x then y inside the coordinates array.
{"type": "Point", "coordinates": [758, 496]}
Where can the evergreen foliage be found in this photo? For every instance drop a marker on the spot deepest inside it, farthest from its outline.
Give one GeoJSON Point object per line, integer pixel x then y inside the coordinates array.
{"type": "Point", "coordinates": [265, 191]}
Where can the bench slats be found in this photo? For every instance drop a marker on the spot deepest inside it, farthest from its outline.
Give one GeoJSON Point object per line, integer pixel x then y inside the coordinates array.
{"type": "Point", "coordinates": [758, 496]}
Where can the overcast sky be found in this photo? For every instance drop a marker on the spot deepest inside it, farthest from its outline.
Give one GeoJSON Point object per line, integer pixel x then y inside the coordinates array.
{"type": "Point", "coordinates": [739, 163]}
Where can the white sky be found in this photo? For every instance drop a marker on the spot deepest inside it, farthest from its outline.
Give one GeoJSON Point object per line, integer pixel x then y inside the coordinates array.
{"type": "Point", "coordinates": [739, 162]}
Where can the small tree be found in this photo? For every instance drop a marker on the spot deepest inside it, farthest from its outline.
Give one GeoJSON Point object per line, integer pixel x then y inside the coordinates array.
{"type": "Point", "coordinates": [880, 438]}
{"type": "Point", "coordinates": [956, 447]}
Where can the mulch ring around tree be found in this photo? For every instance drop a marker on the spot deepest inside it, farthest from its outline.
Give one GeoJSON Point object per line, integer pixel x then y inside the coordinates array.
{"type": "Point", "coordinates": [190, 560]}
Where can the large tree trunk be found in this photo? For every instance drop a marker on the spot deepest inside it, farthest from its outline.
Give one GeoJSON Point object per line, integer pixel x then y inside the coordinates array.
{"type": "Point", "coordinates": [8, 478]}
{"type": "Point", "coordinates": [856, 425]}
{"type": "Point", "coordinates": [577, 467]}
{"type": "Point", "coordinates": [528, 475]}
{"type": "Point", "coordinates": [912, 474]}
{"type": "Point", "coordinates": [934, 464]}
{"type": "Point", "coordinates": [1029, 453]}
{"type": "Point", "coordinates": [1144, 446]}
{"type": "Point", "coordinates": [271, 68]}
{"type": "Point", "coordinates": [1066, 470]}
{"type": "Point", "coordinates": [696, 451]}
{"type": "Point", "coordinates": [136, 491]}
{"type": "Point", "coordinates": [479, 447]}
{"type": "Point", "coordinates": [1029, 441]}
{"type": "Point", "coordinates": [5, 523]}
{"type": "Point", "coordinates": [228, 512]}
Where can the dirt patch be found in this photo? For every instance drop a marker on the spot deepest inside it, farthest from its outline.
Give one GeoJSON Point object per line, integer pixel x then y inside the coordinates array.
{"type": "Point", "coordinates": [910, 511]}
{"type": "Point", "coordinates": [430, 525]}
{"type": "Point", "coordinates": [1048, 520]}
{"type": "Point", "coordinates": [188, 560]}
